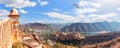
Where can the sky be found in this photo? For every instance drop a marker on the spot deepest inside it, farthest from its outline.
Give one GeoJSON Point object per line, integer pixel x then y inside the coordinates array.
{"type": "Point", "coordinates": [62, 11]}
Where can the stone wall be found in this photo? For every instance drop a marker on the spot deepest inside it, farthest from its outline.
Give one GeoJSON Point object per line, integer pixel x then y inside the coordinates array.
{"type": "Point", "coordinates": [5, 34]}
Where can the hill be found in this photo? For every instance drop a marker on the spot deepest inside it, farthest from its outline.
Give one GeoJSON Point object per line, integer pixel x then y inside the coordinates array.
{"type": "Point", "coordinates": [37, 27]}
{"type": "Point", "coordinates": [92, 27]}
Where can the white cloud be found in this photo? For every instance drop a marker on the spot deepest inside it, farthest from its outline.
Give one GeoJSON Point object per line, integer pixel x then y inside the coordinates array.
{"type": "Point", "coordinates": [89, 4]}
{"type": "Point", "coordinates": [42, 3]}
{"type": "Point", "coordinates": [86, 13]}
{"type": "Point", "coordinates": [59, 16]}
{"type": "Point", "coordinates": [87, 7]}
{"type": "Point", "coordinates": [86, 10]}
{"type": "Point", "coordinates": [83, 3]}
{"type": "Point", "coordinates": [63, 17]}
{"type": "Point", "coordinates": [91, 16]}
{"type": "Point", "coordinates": [108, 2]}
{"type": "Point", "coordinates": [18, 3]}
{"type": "Point", "coordinates": [104, 17]}
{"type": "Point", "coordinates": [22, 11]}
{"type": "Point", "coordinates": [96, 5]}
{"type": "Point", "coordinates": [3, 14]}
{"type": "Point", "coordinates": [82, 18]}
{"type": "Point", "coordinates": [56, 9]}
{"type": "Point", "coordinates": [118, 8]}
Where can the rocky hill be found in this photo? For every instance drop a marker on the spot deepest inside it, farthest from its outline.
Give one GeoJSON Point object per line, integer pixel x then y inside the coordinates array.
{"type": "Point", "coordinates": [92, 27]}
{"type": "Point", "coordinates": [38, 27]}
{"type": "Point", "coordinates": [57, 27]}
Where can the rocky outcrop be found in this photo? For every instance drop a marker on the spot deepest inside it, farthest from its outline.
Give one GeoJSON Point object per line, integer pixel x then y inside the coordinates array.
{"type": "Point", "coordinates": [27, 41]}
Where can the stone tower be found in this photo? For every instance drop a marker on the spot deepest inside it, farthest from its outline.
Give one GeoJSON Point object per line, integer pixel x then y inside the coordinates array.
{"type": "Point", "coordinates": [14, 15]}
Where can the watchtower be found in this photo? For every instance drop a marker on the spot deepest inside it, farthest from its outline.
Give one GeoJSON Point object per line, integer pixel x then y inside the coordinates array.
{"type": "Point", "coordinates": [14, 16]}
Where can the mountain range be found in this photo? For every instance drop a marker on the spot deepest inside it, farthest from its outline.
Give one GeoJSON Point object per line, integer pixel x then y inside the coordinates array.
{"type": "Point", "coordinates": [92, 27]}
{"type": "Point", "coordinates": [74, 27]}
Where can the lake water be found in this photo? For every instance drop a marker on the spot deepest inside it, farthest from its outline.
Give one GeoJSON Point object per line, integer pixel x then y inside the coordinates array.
{"type": "Point", "coordinates": [94, 33]}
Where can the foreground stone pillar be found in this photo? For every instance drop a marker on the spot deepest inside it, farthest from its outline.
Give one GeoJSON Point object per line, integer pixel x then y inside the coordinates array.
{"type": "Point", "coordinates": [5, 34]}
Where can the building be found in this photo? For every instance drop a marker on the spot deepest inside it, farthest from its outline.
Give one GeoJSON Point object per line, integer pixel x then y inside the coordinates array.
{"type": "Point", "coordinates": [18, 36]}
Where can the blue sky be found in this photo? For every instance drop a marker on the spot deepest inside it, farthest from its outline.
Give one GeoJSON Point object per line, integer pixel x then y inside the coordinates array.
{"type": "Point", "coordinates": [62, 11]}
